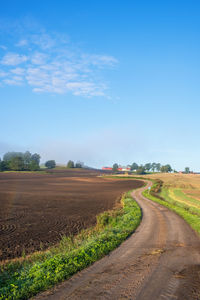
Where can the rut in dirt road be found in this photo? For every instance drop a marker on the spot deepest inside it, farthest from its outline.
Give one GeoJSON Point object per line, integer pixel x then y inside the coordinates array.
{"type": "Point", "coordinates": [159, 261]}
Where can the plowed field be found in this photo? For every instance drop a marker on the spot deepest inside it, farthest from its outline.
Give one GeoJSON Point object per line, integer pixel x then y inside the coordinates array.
{"type": "Point", "coordinates": [37, 209]}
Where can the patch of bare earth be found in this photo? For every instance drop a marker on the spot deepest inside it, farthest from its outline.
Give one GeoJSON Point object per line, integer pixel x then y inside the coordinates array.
{"type": "Point", "coordinates": [37, 209]}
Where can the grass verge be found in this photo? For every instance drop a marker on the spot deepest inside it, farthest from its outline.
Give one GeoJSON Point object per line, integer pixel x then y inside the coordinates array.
{"type": "Point", "coordinates": [22, 279]}
{"type": "Point", "coordinates": [159, 195]}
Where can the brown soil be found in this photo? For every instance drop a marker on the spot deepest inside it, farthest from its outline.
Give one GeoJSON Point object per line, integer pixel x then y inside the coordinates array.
{"type": "Point", "coordinates": [161, 260]}
{"type": "Point", "coordinates": [37, 209]}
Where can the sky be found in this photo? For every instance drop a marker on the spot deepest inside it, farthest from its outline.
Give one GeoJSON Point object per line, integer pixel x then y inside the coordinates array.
{"type": "Point", "coordinates": [101, 81]}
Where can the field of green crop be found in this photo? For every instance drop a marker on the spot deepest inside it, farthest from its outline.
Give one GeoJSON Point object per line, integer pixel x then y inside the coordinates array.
{"type": "Point", "coordinates": [30, 275]}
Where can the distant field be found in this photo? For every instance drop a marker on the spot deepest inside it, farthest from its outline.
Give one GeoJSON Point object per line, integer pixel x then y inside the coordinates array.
{"type": "Point", "coordinates": [38, 208]}
{"type": "Point", "coordinates": [181, 193]}
{"type": "Point", "coordinates": [182, 188]}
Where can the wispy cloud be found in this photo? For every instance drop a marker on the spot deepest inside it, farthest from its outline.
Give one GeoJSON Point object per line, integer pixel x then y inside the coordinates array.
{"type": "Point", "coordinates": [13, 59]}
{"type": "Point", "coordinates": [50, 63]}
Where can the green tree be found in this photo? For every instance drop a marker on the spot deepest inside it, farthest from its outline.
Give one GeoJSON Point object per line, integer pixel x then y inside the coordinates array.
{"type": "Point", "coordinates": [148, 167]}
{"type": "Point", "coordinates": [16, 163]}
{"type": "Point", "coordinates": [27, 159]}
{"type": "Point", "coordinates": [158, 166]}
{"type": "Point", "coordinates": [166, 169]}
{"type": "Point", "coordinates": [134, 166]}
{"type": "Point", "coordinates": [9, 155]}
{"type": "Point", "coordinates": [50, 164]}
{"type": "Point", "coordinates": [79, 164]}
{"type": "Point", "coordinates": [33, 166]}
{"type": "Point", "coordinates": [141, 170]}
{"type": "Point", "coordinates": [4, 166]}
{"type": "Point", "coordinates": [70, 164]}
{"type": "Point", "coordinates": [115, 167]}
{"type": "Point", "coordinates": [36, 158]}
{"type": "Point", "coordinates": [187, 170]}
{"type": "Point", "coordinates": [153, 166]}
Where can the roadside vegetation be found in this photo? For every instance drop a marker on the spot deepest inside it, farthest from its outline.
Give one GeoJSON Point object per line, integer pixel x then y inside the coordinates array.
{"type": "Point", "coordinates": [177, 200]}
{"type": "Point", "coordinates": [27, 276]}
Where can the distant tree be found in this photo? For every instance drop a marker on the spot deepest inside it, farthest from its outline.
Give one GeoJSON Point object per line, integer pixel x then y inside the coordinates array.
{"type": "Point", "coordinates": [141, 170]}
{"type": "Point", "coordinates": [9, 155]}
{"type": "Point", "coordinates": [147, 167]}
{"type": "Point", "coordinates": [33, 166]}
{"type": "Point", "coordinates": [50, 164]}
{"type": "Point", "coordinates": [36, 158]}
{"type": "Point", "coordinates": [4, 165]}
{"type": "Point", "coordinates": [134, 166]}
{"type": "Point", "coordinates": [70, 164]}
{"type": "Point", "coordinates": [16, 163]}
{"type": "Point", "coordinates": [20, 161]}
{"type": "Point", "coordinates": [34, 163]}
{"type": "Point", "coordinates": [115, 167]}
{"type": "Point", "coordinates": [153, 166]}
{"type": "Point", "coordinates": [158, 166]}
{"type": "Point", "coordinates": [166, 169]}
{"type": "Point", "coordinates": [187, 170]}
{"type": "Point", "coordinates": [79, 164]}
{"type": "Point", "coordinates": [27, 159]}
{"type": "Point", "coordinates": [163, 169]}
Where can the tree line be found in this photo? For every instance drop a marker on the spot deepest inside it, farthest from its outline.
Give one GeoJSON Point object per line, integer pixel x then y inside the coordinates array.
{"type": "Point", "coordinates": [19, 161]}
{"type": "Point", "coordinates": [148, 167]}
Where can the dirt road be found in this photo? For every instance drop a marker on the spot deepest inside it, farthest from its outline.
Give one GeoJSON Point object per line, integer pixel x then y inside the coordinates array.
{"type": "Point", "coordinates": [161, 260]}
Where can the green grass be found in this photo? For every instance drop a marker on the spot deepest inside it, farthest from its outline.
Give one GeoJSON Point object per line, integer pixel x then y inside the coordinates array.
{"type": "Point", "coordinates": [24, 278]}
{"type": "Point", "coordinates": [24, 172]}
{"type": "Point", "coordinates": [188, 207]}
{"type": "Point", "coordinates": [179, 194]}
{"type": "Point", "coordinates": [190, 214]}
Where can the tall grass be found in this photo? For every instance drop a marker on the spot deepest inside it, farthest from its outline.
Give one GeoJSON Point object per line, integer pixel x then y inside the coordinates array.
{"type": "Point", "coordinates": [40, 271]}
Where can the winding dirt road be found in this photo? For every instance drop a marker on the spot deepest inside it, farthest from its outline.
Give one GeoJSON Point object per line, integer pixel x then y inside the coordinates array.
{"type": "Point", "coordinates": [161, 260]}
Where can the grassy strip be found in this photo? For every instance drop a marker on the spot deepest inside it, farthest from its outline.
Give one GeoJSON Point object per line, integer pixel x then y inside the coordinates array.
{"type": "Point", "coordinates": [179, 194]}
{"type": "Point", "coordinates": [186, 206]}
{"type": "Point", "coordinates": [183, 210]}
{"type": "Point", "coordinates": [38, 272]}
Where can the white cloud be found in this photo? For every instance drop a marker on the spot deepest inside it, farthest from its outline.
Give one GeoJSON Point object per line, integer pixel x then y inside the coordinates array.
{"type": "Point", "coordinates": [86, 88]}
{"type": "Point", "coordinates": [3, 47]}
{"type": "Point", "coordinates": [13, 59]}
{"type": "Point", "coordinates": [18, 71]}
{"type": "Point", "coordinates": [49, 63]}
{"type": "Point", "coordinates": [22, 43]}
{"type": "Point", "coordinates": [44, 41]}
{"type": "Point", "coordinates": [3, 74]}
{"type": "Point", "coordinates": [15, 80]}
{"type": "Point", "coordinates": [100, 60]}
{"type": "Point", "coordinates": [38, 58]}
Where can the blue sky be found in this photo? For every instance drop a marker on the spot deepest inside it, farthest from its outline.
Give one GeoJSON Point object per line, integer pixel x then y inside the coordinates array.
{"type": "Point", "coordinates": [101, 81]}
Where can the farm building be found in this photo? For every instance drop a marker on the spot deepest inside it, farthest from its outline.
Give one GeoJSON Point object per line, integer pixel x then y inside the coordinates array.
{"type": "Point", "coordinates": [119, 169]}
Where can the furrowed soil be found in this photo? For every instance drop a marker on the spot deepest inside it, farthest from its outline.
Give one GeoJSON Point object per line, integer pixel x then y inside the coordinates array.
{"type": "Point", "coordinates": [38, 208]}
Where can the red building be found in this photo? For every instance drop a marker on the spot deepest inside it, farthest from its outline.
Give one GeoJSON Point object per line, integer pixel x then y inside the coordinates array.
{"type": "Point", "coordinates": [119, 169]}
